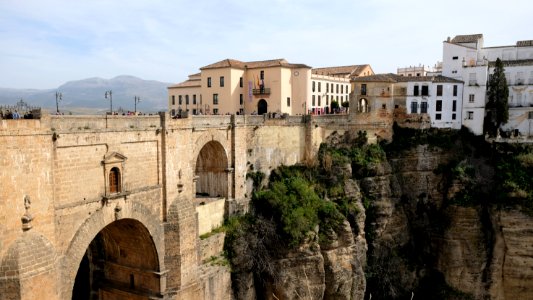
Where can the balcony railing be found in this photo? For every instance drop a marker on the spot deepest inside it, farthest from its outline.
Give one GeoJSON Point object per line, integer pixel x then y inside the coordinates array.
{"type": "Point", "coordinates": [265, 91]}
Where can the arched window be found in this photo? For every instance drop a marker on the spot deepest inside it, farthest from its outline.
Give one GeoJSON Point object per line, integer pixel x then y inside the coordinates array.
{"type": "Point", "coordinates": [114, 181]}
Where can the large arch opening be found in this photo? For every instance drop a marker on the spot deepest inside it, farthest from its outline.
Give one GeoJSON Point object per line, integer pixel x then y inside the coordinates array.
{"type": "Point", "coordinates": [211, 169]}
{"type": "Point", "coordinates": [121, 262]}
{"type": "Point", "coordinates": [262, 107]}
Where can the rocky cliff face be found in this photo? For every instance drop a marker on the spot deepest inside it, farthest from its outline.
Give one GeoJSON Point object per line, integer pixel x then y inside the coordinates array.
{"type": "Point", "coordinates": [412, 237]}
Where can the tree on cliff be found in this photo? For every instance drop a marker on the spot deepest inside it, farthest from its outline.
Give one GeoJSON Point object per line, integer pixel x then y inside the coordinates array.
{"type": "Point", "coordinates": [498, 94]}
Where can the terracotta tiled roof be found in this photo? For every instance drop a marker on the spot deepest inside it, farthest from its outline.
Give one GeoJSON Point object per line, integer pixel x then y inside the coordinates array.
{"type": "Point", "coordinates": [389, 77]}
{"type": "Point", "coordinates": [393, 78]}
{"type": "Point", "coordinates": [187, 83]}
{"type": "Point", "coordinates": [225, 64]}
{"type": "Point", "coordinates": [470, 38]}
{"type": "Point", "coordinates": [253, 64]}
{"type": "Point", "coordinates": [348, 71]}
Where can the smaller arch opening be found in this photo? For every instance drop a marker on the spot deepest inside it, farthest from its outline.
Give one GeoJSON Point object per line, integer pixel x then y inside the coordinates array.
{"type": "Point", "coordinates": [363, 105]}
{"type": "Point", "coordinates": [114, 181]}
{"type": "Point", "coordinates": [262, 107]}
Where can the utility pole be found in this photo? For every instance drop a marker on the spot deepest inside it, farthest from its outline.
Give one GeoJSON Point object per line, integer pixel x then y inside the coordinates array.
{"type": "Point", "coordinates": [110, 94]}
{"type": "Point", "coordinates": [136, 99]}
{"type": "Point", "coordinates": [59, 97]}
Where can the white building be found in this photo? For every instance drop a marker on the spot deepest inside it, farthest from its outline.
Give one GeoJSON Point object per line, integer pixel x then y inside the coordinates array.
{"type": "Point", "coordinates": [465, 58]}
{"type": "Point", "coordinates": [438, 96]}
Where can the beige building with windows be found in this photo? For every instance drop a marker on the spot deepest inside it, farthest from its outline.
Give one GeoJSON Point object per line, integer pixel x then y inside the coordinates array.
{"type": "Point", "coordinates": [333, 84]}
{"type": "Point", "coordinates": [185, 96]}
{"type": "Point", "coordinates": [270, 86]}
{"type": "Point", "coordinates": [235, 87]}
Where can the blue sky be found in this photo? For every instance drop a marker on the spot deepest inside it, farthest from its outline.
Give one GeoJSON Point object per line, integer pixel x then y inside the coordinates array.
{"type": "Point", "coordinates": [44, 44]}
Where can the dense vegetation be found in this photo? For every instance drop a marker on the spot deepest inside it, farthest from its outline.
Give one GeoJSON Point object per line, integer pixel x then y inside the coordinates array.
{"type": "Point", "coordinates": [299, 203]}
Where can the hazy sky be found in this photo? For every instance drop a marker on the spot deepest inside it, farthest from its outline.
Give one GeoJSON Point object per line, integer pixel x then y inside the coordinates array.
{"type": "Point", "coordinates": [44, 43]}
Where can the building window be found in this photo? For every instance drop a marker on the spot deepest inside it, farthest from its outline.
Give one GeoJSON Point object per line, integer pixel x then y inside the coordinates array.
{"type": "Point", "coordinates": [313, 88]}
{"type": "Point", "coordinates": [415, 90]}
{"type": "Point", "coordinates": [519, 78]}
{"type": "Point", "coordinates": [414, 107]}
{"type": "Point", "coordinates": [262, 75]}
{"type": "Point", "coordinates": [327, 99]}
{"type": "Point", "coordinates": [424, 108]}
{"type": "Point", "coordinates": [241, 82]}
{"type": "Point", "coordinates": [319, 100]}
{"type": "Point", "coordinates": [114, 181]}
{"type": "Point", "coordinates": [241, 101]}
{"type": "Point", "coordinates": [454, 116]}
{"type": "Point", "coordinates": [337, 91]}
{"type": "Point", "coordinates": [331, 87]}
{"type": "Point", "coordinates": [319, 86]}
{"type": "Point", "coordinates": [194, 112]}
{"type": "Point", "coordinates": [472, 80]}
{"type": "Point", "coordinates": [455, 57]}
{"type": "Point", "coordinates": [194, 99]}
{"type": "Point", "coordinates": [454, 105]}
{"type": "Point", "coordinates": [342, 89]}
{"type": "Point", "coordinates": [208, 81]}
{"type": "Point", "coordinates": [455, 90]}
{"type": "Point", "coordinates": [215, 99]}
{"type": "Point", "coordinates": [438, 106]}
{"type": "Point", "coordinates": [288, 101]}
{"type": "Point", "coordinates": [180, 100]}
{"type": "Point", "coordinates": [470, 115]}
{"type": "Point", "coordinates": [425, 90]}
{"type": "Point", "coordinates": [215, 111]}
{"type": "Point", "coordinates": [173, 100]}
{"type": "Point", "coordinates": [471, 98]}
{"type": "Point", "coordinates": [439, 90]}
{"type": "Point", "coordinates": [438, 116]}
{"type": "Point", "coordinates": [186, 99]}
{"type": "Point", "coordinates": [313, 101]}
{"type": "Point", "coordinates": [173, 112]}
{"type": "Point", "coordinates": [363, 89]}
{"type": "Point", "coordinates": [327, 86]}
{"type": "Point", "coordinates": [221, 81]}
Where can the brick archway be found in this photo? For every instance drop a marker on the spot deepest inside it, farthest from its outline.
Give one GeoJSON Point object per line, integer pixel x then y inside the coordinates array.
{"type": "Point", "coordinates": [135, 213]}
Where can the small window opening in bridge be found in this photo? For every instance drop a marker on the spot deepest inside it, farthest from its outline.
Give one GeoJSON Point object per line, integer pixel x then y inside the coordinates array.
{"type": "Point", "coordinates": [132, 281]}
{"type": "Point", "coordinates": [114, 180]}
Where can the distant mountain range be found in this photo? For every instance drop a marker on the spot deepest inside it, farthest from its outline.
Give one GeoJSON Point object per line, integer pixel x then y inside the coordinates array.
{"type": "Point", "coordinates": [87, 95]}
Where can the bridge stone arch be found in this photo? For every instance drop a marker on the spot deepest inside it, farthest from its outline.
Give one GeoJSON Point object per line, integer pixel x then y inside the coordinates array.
{"type": "Point", "coordinates": [131, 216]}
{"type": "Point", "coordinates": [212, 165]}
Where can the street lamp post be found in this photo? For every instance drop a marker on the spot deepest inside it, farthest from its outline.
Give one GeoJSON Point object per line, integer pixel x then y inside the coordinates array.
{"type": "Point", "coordinates": [136, 99]}
{"type": "Point", "coordinates": [110, 94]}
{"type": "Point", "coordinates": [59, 97]}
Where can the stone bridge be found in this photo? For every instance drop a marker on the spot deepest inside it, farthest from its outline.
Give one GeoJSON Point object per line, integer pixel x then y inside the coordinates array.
{"type": "Point", "coordinates": [111, 207]}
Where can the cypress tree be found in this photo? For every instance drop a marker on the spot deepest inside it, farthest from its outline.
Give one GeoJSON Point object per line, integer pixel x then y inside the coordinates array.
{"type": "Point", "coordinates": [498, 95]}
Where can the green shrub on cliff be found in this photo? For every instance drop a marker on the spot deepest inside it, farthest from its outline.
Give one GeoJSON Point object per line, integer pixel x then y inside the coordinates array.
{"type": "Point", "coordinates": [295, 206]}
